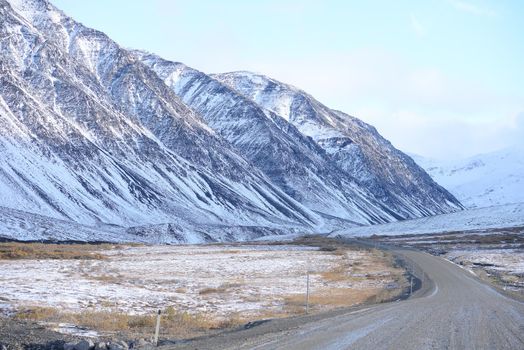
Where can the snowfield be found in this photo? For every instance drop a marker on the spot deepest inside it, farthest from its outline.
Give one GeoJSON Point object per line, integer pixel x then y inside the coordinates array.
{"type": "Point", "coordinates": [509, 215]}
{"type": "Point", "coordinates": [23, 226]}
{"type": "Point", "coordinates": [504, 260]}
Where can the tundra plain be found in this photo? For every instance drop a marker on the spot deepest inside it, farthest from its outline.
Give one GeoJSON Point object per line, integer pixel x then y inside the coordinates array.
{"type": "Point", "coordinates": [110, 290]}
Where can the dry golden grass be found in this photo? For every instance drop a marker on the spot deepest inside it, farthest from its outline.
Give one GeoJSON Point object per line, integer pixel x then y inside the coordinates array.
{"type": "Point", "coordinates": [107, 278]}
{"type": "Point", "coordinates": [13, 251]}
{"type": "Point", "coordinates": [212, 290]}
{"type": "Point", "coordinates": [173, 323]}
{"type": "Point", "coordinates": [100, 320]}
{"type": "Point", "coordinates": [372, 266]}
{"type": "Point", "coordinates": [339, 273]}
{"type": "Point", "coordinates": [372, 269]}
{"type": "Point", "coordinates": [384, 295]}
{"type": "Point", "coordinates": [333, 298]}
{"type": "Point", "coordinates": [223, 288]}
{"type": "Point", "coordinates": [176, 322]}
{"type": "Point", "coordinates": [286, 311]}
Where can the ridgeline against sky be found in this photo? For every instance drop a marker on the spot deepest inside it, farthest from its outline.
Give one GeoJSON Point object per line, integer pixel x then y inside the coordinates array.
{"type": "Point", "coordinates": [440, 78]}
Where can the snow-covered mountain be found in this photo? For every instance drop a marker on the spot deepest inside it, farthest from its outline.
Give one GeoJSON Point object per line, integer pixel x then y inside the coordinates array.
{"type": "Point", "coordinates": [96, 135]}
{"type": "Point", "coordinates": [484, 180]}
{"type": "Point", "coordinates": [90, 134]}
{"type": "Point", "coordinates": [354, 146]}
{"type": "Point", "coordinates": [292, 160]}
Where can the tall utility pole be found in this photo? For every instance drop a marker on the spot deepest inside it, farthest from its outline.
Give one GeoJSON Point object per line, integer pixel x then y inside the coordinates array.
{"type": "Point", "coordinates": [307, 292]}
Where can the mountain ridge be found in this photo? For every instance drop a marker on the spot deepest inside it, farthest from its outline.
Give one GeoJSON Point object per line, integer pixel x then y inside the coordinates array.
{"type": "Point", "coordinates": [355, 146]}
{"type": "Point", "coordinates": [127, 173]}
{"type": "Point", "coordinates": [272, 144]}
{"type": "Point", "coordinates": [91, 133]}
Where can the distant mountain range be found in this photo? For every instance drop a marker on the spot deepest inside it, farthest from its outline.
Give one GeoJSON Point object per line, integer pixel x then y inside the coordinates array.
{"type": "Point", "coordinates": [101, 136]}
{"type": "Point", "coordinates": [484, 180]}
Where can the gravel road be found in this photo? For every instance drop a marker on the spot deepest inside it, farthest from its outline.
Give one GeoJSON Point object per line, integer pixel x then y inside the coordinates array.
{"type": "Point", "coordinates": [452, 310]}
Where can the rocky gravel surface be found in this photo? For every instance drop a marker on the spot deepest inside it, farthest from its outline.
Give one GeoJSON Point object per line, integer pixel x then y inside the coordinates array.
{"type": "Point", "coordinates": [15, 335]}
{"type": "Point", "coordinates": [24, 335]}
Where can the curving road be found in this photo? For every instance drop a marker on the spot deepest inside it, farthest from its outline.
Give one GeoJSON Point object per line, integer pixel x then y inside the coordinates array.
{"type": "Point", "coordinates": [453, 311]}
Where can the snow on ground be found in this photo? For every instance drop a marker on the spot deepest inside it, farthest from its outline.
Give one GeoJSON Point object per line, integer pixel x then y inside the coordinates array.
{"type": "Point", "coordinates": [509, 215]}
{"type": "Point", "coordinates": [25, 226]}
{"type": "Point", "coordinates": [505, 260]}
{"type": "Point", "coordinates": [21, 225]}
{"type": "Point", "coordinates": [68, 328]}
{"type": "Point", "coordinates": [199, 279]}
{"type": "Point", "coordinates": [504, 267]}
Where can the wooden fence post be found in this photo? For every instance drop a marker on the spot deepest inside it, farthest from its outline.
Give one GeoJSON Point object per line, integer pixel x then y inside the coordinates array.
{"type": "Point", "coordinates": [157, 328]}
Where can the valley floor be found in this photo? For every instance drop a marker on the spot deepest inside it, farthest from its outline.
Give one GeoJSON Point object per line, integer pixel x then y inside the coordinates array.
{"type": "Point", "coordinates": [115, 290]}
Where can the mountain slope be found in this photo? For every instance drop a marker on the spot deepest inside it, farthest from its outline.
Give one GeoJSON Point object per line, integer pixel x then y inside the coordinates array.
{"type": "Point", "coordinates": [95, 134]}
{"type": "Point", "coordinates": [293, 161]}
{"type": "Point", "coordinates": [484, 180]}
{"type": "Point", "coordinates": [353, 145]}
{"type": "Point", "coordinates": [495, 217]}
{"type": "Point", "coordinates": [24, 226]}
{"type": "Point", "coordinates": [90, 134]}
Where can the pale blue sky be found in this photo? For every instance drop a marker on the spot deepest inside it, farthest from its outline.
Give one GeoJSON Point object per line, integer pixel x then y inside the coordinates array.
{"type": "Point", "coordinates": [436, 77]}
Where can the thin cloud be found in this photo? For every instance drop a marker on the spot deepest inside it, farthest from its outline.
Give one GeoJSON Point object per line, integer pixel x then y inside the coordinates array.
{"type": "Point", "coordinates": [472, 8]}
{"type": "Point", "coordinates": [417, 27]}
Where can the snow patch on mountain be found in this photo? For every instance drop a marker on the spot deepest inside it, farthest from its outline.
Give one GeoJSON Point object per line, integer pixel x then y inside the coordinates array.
{"type": "Point", "coordinates": [23, 226]}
